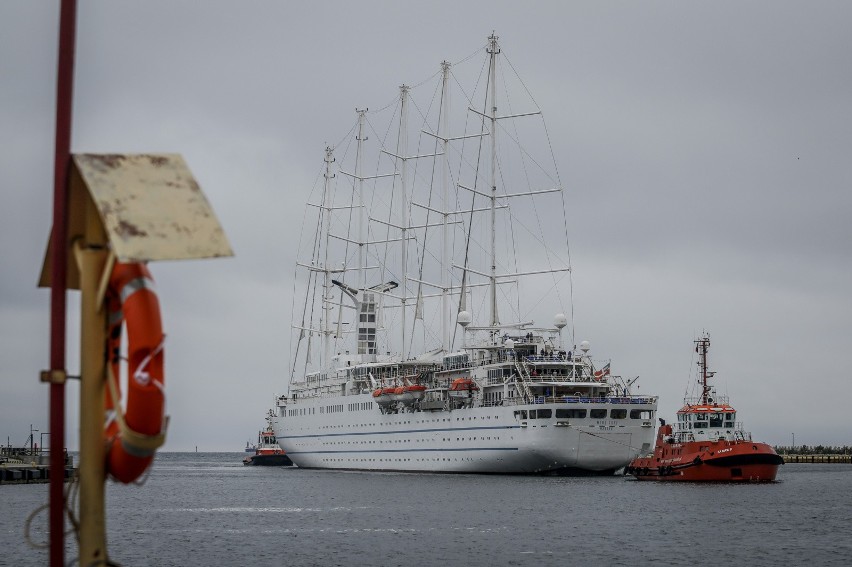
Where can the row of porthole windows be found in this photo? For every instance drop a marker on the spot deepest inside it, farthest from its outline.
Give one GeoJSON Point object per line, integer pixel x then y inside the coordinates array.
{"type": "Point", "coordinates": [367, 442]}
{"type": "Point", "coordinates": [356, 407]}
{"type": "Point", "coordinates": [402, 460]}
{"type": "Point", "coordinates": [301, 411]}
{"type": "Point", "coordinates": [406, 422]}
{"type": "Point", "coordinates": [368, 405]}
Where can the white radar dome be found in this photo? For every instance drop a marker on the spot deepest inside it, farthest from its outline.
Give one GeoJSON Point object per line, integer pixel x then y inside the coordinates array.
{"type": "Point", "coordinates": [464, 318]}
{"type": "Point", "coordinates": [509, 343]}
{"type": "Point", "coordinates": [560, 320]}
{"type": "Point", "coordinates": [585, 346]}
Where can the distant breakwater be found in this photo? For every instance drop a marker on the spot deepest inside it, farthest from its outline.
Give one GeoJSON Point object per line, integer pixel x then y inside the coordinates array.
{"type": "Point", "coordinates": [817, 458]}
{"type": "Point", "coordinates": [815, 453]}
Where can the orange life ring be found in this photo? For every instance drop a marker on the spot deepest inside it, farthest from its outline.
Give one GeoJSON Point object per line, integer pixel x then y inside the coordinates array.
{"type": "Point", "coordinates": [134, 435]}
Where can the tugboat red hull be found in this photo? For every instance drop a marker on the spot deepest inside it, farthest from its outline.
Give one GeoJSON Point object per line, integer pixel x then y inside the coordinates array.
{"type": "Point", "coordinates": [716, 461]}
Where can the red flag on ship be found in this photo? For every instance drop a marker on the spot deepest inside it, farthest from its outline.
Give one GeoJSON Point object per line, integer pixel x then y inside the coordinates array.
{"type": "Point", "coordinates": [602, 372]}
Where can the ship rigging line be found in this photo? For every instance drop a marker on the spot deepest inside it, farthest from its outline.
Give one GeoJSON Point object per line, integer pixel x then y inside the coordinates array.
{"type": "Point", "coordinates": [293, 295]}
{"type": "Point", "coordinates": [472, 55]}
{"type": "Point", "coordinates": [346, 136]}
{"type": "Point", "coordinates": [430, 77]}
{"type": "Point", "coordinates": [562, 195]}
{"type": "Point", "coordinates": [463, 291]}
{"type": "Point", "coordinates": [419, 299]}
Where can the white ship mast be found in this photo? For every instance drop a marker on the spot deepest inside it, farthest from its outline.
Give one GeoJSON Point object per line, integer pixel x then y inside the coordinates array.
{"type": "Point", "coordinates": [326, 327]}
{"type": "Point", "coordinates": [362, 222]}
{"type": "Point", "coordinates": [404, 226]}
{"type": "Point", "coordinates": [403, 204]}
{"type": "Point", "coordinates": [493, 50]}
{"type": "Point", "coordinates": [445, 185]}
{"type": "Point", "coordinates": [491, 115]}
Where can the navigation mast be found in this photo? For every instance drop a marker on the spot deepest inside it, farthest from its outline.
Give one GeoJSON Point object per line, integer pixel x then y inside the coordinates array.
{"type": "Point", "coordinates": [362, 241]}
{"type": "Point", "coordinates": [445, 239]}
{"type": "Point", "coordinates": [493, 50]}
{"type": "Point", "coordinates": [403, 202]}
{"type": "Point", "coordinates": [326, 327]}
{"type": "Point", "coordinates": [702, 346]}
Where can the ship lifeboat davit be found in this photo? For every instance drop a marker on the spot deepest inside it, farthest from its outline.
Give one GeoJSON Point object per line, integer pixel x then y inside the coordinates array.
{"type": "Point", "coordinates": [384, 396]}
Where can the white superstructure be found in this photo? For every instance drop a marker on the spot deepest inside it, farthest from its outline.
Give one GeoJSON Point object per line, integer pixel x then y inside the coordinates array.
{"type": "Point", "coordinates": [399, 254]}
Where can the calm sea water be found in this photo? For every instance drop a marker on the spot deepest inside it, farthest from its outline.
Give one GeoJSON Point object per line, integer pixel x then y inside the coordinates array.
{"type": "Point", "coordinates": [208, 509]}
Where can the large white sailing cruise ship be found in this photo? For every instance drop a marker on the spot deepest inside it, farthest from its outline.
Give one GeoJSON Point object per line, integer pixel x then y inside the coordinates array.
{"type": "Point", "coordinates": [417, 348]}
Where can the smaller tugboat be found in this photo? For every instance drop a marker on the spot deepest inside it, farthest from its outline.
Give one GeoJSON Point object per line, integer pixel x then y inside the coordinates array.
{"type": "Point", "coordinates": [267, 452]}
{"type": "Point", "coordinates": [707, 444]}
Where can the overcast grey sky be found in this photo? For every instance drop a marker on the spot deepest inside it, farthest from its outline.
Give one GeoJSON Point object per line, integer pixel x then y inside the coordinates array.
{"type": "Point", "coordinates": [704, 148]}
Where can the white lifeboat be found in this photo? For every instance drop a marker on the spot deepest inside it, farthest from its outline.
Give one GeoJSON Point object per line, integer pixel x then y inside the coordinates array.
{"type": "Point", "coordinates": [463, 387]}
{"type": "Point", "coordinates": [384, 396]}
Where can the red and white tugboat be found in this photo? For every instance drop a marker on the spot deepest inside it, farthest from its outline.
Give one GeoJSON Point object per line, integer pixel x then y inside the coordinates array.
{"type": "Point", "coordinates": [267, 452]}
{"type": "Point", "coordinates": [706, 444]}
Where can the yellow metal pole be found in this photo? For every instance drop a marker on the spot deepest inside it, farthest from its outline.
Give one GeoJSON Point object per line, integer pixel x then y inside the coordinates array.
{"type": "Point", "coordinates": [93, 334]}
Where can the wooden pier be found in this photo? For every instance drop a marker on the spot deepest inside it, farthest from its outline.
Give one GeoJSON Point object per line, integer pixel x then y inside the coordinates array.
{"type": "Point", "coordinates": [22, 465]}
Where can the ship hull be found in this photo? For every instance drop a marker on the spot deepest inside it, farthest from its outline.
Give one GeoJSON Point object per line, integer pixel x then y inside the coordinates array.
{"type": "Point", "coordinates": [271, 460]}
{"type": "Point", "coordinates": [336, 433]}
{"type": "Point", "coordinates": [721, 461]}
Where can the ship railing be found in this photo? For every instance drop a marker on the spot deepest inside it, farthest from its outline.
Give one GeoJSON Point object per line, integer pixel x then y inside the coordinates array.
{"type": "Point", "coordinates": [682, 434]}
{"type": "Point", "coordinates": [690, 426]}
{"type": "Point", "coordinates": [741, 435]}
{"type": "Point", "coordinates": [508, 356]}
{"type": "Point", "coordinates": [456, 366]}
{"type": "Point", "coordinates": [555, 366]}
{"type": "Point", "coordinates": [510, 401]}
{"type": "Point", "coordinates": [550, 358]}
{"type": "Point", "coordinates": [519, 400]}
{"type": "Point", "coordinates": [28, 455]}
{"type": "Point", "coordinates": [606, 400]}
{"type": "Point", "coordinates": [717, 399]}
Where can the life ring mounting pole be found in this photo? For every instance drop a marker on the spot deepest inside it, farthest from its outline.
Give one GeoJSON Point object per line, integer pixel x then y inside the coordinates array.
{"type": "Point", "coordinates": [93, 335]}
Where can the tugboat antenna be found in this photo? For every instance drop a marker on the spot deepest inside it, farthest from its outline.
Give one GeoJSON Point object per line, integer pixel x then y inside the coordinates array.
{"type": "Point", "coordinates": [702, 345]}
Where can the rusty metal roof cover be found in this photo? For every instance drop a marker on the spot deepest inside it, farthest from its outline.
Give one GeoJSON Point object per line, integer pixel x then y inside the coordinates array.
{"type": "Point", "coordinates": [149, 207]}
{"type": "Point", "coordinates": [152, 208]}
